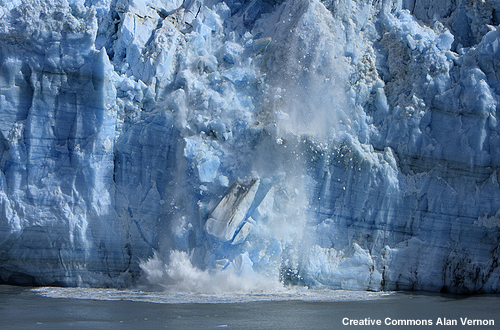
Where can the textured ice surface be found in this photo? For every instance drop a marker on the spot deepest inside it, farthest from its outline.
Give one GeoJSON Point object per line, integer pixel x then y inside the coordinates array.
{"type": "Point", "coordinates": [345, 144]}
{"type": "Point", "coordinates": [229, 214]}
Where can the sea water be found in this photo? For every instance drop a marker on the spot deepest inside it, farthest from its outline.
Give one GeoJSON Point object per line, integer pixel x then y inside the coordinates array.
{"type": "Point", "coordinates": [83, 308]}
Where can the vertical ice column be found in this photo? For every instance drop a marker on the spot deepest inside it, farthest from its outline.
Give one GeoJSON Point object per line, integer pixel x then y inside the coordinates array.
{"type": "Point", "coordinates": [57, 224]}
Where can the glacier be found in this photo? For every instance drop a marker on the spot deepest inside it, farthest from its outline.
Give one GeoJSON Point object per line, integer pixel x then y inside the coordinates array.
{"type": "Point", "coordinates": [343, 144]}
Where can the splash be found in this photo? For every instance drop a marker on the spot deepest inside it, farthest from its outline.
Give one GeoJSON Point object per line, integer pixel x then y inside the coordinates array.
{"type": "Point", "coordinates": [254, 236]}
{"type": "Point", "coordinates": [180, 276]}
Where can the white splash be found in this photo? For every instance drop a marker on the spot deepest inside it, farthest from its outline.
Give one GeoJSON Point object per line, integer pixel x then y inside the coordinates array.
{"type": "Point", "coordinates": [180, 276]}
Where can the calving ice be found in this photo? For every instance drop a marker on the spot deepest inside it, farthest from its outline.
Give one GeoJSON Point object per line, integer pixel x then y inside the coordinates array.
{"type": "Point", "coordinates": [331, 144]}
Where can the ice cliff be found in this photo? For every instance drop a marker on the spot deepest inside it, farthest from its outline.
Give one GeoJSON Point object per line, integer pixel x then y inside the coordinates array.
{"type": "Point", "coordinates": [346, 144]}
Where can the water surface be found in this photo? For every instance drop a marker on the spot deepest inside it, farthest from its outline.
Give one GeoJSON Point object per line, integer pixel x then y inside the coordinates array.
{"type": "Point", "coordinates": [79, 308]}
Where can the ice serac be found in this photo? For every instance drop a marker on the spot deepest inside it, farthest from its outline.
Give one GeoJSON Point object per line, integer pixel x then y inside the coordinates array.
{"type": "Point", "coordinates": [346, 144]}
{"type": "Point", "coordinates": [58, 132]}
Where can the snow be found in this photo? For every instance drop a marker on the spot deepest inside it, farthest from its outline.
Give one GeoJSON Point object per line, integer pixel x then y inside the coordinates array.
{"type": "Point", "coordinates": [342, 144]}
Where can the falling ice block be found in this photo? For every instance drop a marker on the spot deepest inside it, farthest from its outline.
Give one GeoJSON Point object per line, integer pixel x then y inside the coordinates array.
{"type": "Point", "coordinates": [231, 211]}
{"type": "Point", "coordinates": [242, 233]}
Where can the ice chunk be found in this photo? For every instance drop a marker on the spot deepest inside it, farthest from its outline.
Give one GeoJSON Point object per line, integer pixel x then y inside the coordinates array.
{"type": "Point", "coordinates": [167, 6]}
{"type": "Point", "coordinates": [381, 101]}
{"type": "Point", "coordinates": [224, 181]}
{"type": "Point", "coordinates": [203, 156]}
{"type": "Point", "coordinates": [231, 211]}
{"type": "Point", "coordinates": [208, 166]}
{"type": "Point", "coordinates": [260, 45]}
{"type": "Point", "coordinates": [445, 40]}
{"type": "Point", "coordinates": [238, 76]}
{"type": "Point", "coordinates": [241, 264]}
{"type": "Point", "coordinates": [207, 63]}
{"type": "Point", "coordinates": [231, 52]}
{"type": "Point", "coordinates": [243, 233]}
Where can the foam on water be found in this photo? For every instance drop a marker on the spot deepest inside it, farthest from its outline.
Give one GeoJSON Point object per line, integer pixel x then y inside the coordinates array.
{"type": "Point", "coordinates": [286, 294]}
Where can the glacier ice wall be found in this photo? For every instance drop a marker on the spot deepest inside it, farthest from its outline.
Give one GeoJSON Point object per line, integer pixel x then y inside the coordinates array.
{"type": "Point", "coordinates": [346, 144]}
